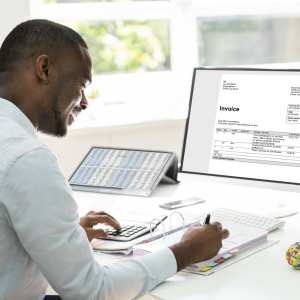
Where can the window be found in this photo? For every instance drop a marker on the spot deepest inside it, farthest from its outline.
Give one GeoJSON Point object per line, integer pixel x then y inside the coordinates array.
{"type": "Point", "coordinates": [247, 40]}
{"type": "Point", "coordinates": [126, 46]}
{"type": "Point", "coordinates": [148, 49]}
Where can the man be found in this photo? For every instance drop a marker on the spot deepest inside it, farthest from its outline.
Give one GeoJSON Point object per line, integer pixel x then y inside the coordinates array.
{"type": "Point", "coordinates": [44, 69]}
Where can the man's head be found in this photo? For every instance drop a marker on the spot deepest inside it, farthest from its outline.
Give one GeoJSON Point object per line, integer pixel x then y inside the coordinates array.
{"type": "Point", "coordinates": [44, 68]}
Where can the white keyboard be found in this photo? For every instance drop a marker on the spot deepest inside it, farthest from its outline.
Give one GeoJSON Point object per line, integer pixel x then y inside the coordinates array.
{"type": "Point", "coordinates": [238, 217]}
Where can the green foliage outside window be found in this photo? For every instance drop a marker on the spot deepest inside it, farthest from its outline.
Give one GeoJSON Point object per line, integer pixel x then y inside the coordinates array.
{"type": "Point", "coordinates": [126, 46]}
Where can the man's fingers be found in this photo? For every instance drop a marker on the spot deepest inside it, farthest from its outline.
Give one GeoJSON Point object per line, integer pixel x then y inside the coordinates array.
{"type": "Point", "coordinates": [218, 224]}
{"type": "Point", "coordinates": [90, 212]}
{"type": "Point", "coordinates": [106, 219]}
{"type": "Point", "coordinates": [94, 233]}
{"type": "Point", "coordinates": [103, 213]}
{"type": "Point", "coordinates": [225, 234]}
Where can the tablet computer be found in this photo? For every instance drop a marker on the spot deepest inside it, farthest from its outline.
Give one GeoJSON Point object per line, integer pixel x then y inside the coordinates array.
{"type": "Point", "coordinates": [121, 171]}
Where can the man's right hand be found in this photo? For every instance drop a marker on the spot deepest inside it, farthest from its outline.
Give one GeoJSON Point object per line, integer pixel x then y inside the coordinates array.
{"type": "Point", "coordinates": [199, 243]}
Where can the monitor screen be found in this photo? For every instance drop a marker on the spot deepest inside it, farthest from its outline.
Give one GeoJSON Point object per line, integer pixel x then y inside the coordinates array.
{"type": "Point", "coordinates": [244, 123]}
{"type": "Point", "coordinates": [118, 168]}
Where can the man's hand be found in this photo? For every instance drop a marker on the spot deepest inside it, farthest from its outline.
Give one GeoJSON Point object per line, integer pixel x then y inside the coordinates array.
{"type": "Point", "coordinates": [93, 218]}
{"type": "Point", "coordinates": [199, 243]}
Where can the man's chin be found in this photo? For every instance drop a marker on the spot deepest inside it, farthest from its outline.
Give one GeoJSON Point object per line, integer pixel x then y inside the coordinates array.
{"type": "Point", "coordinates": [70, 120]}
{"type": "Point", "coordinates": [58, 131]}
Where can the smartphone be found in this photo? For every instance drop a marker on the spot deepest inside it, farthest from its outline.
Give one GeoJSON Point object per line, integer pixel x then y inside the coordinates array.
{"type": "Point", "coordinates": [181, 203]}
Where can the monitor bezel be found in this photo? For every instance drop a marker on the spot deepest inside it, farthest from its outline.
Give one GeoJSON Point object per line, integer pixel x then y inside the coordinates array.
{"type": "Point", "coordinates": [188, 118]}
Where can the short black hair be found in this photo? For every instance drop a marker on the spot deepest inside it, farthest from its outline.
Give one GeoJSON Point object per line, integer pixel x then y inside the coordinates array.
{"type": "Point", "coordinates": [36, 37]}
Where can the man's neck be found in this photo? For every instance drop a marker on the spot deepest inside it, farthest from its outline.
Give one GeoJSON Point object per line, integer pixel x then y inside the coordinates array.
{"type": "Point", "coordinates": [11, 92]}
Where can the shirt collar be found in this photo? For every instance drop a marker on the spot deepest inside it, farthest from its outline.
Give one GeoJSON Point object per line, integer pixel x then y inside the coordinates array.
{"type": "Point", "coordinates": [8, 109]}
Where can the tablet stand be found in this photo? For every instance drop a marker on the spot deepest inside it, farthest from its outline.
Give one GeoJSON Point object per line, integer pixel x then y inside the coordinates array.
{"type": "Point", "coordinates": [171, 175]}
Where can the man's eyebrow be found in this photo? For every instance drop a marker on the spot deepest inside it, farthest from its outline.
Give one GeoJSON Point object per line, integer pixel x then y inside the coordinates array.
{"type": "Point", "coordinates": [88, 78]}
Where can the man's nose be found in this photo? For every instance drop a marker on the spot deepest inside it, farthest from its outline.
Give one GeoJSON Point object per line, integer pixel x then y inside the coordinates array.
{"type": "Point", "coordinates": [84, 103]}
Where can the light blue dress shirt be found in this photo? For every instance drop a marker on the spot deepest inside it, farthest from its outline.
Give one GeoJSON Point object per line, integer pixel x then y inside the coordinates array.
{"type": "Point", "coordinates": [40, 236]}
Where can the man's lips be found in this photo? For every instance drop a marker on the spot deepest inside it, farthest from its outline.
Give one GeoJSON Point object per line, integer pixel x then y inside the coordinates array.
{"type": "Point", "coordinates": [73, 115]}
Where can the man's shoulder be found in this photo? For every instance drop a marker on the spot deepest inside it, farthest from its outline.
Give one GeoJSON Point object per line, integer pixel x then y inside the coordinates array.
{"type": "Point", "coordinates": [16, 141]}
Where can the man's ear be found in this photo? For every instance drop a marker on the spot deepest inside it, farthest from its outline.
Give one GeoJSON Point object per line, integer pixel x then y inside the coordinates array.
{"type": "Point", "coordinates": [43, 68]}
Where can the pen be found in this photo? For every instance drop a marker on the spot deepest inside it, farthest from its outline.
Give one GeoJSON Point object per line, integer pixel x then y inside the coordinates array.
{"type": "Point", "coordinates": [207, 219]}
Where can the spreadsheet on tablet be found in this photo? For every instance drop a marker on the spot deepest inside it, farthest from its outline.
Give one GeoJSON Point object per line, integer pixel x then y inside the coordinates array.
{"type": "Point", "coordinates": [244, 123]}
{"type": "Point", "coordinates": [120, 168]}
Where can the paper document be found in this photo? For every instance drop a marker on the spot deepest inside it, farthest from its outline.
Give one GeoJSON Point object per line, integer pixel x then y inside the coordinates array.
{"type": "Point", "coordinates": [234, 258]}
{"type": "Point", "coordinates": [240, 237]}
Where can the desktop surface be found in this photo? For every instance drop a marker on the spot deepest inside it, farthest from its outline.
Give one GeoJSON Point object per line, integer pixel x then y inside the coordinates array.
{"type": "Point", "coordinates": [264, 275]}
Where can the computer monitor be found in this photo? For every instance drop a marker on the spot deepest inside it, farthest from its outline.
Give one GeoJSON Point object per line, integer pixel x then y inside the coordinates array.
{"type": "Point", "coordinates": [244, 123]}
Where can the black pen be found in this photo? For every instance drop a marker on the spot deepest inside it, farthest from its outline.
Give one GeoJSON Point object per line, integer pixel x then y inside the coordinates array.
{"type": "Point", "coordinates": [207, 219]}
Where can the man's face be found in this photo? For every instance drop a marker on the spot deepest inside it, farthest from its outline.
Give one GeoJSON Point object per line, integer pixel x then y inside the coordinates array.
{"type": "Point", "coordinates": [67, 98]}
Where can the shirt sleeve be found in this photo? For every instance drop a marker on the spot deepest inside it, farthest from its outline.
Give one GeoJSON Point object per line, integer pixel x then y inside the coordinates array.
{"type": "Point", "coordinates": [44, 214]}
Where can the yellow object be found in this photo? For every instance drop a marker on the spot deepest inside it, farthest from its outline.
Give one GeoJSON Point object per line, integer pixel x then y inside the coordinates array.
{"type": "Point", "coordinates": [204, 269]}
{"type": "Point", "coordinates": [293, 256]}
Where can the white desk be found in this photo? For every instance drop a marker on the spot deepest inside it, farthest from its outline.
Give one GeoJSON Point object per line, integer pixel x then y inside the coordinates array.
{"type": "Point", "coordinates": [265, 275]}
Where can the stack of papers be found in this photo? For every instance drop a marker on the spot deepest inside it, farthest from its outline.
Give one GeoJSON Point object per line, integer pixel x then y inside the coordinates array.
{"type": "Point", "coordinates": [240, 238]}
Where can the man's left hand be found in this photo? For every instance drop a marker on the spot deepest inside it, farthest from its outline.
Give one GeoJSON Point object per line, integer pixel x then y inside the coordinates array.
{"type": "Point", "coordinates": [93, 218]}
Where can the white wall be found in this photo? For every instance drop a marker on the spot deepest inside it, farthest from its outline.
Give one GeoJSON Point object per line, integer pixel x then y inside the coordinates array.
{"type": "Point", "coordinates": [12, 13]}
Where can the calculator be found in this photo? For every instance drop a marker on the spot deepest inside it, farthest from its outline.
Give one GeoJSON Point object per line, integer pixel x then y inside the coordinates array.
{"type": "Point", "coordinates": [128, 232]}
